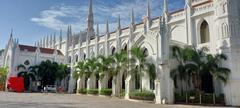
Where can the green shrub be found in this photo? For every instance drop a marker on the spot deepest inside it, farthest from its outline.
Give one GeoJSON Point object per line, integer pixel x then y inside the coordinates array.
{"type": "Point", "coordinates": [144, 95]}
{"type": "Point", "coordinates": [220, 99]}
{"type": "Point", "coordinates": [92, 91]}
{"type": "Point", "coordinates": [179, 97]}
{"type": "Point", "coordinates": [82, 91]}
{"type": "Point", "coordinates": [122, 94]}
{"type": "Point", "coordinates": [193, 94]}
{"type": "Point", "coordinates": [107, 92]}
{"type": "Point", "coordinates": [207, 98]}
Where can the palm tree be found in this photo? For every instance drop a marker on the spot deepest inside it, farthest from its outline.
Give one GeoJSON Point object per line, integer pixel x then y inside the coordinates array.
{"type": "Point", "coordinates": [28, 77]}
{"type": "Point", "coordinates": [91, 67]}
{"type": "Point", "coordinates": [79, 70]}
{"type": "Point", "coordinates": [120, 64]}
{"type": "Point", "coordinates": [201, 64]}
{"type": "Point", "coordinates": [140, 64]}
{"type": "Point", "coordinates": [181, 72]}
{"type": "Point", "coordinates": [218, 72]}
{"type": "Point", "coordinates": [28, 74]}
{"type": "Point", "coordinates": [104, 67]}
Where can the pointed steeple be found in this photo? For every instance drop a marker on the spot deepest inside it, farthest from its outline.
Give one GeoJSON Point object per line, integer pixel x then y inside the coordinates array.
{"type": "Point", "coordinates": [11, 35]}
{"type": "Point", "coordinates": [165, 6]}
{"type": "Point", "coordinates": [60, 36]}
{"type": "Point", "coordinates": [47, 42]}
{"type": "Point", "coordinates": [54, 40]}
{"type": "Point", "coordinates": [165, 9]}
{"type": "Point", "coordinates": [119, 22]}
{"type": "Point", "coordinates": [90, 21]}
{"type": "Point", "coordinates": [107, 27]}
{"type": "Point", "coordinates": [80, 38]}
{"type": "Point", "coordinates": [149, 9]}
{"type": "Point", "coordinates": [40, 43]}
{"type": "Point", "coordinates": [132, 17]}
{"type": "Point", "coordinates": [67, 31]}
{"type": "Point", "coordinates": [188, 2]}
{"type": "Point", "coordinates": [44, 41]}
{"type": "Point", "coordinates": [71, 36]}
{"type": "Point", "coordinates": [97, 29]}
{"type": "Point", "coordinates": [51, 41]}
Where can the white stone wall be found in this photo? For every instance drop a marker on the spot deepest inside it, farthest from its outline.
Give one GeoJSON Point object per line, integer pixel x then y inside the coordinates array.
{"type": "Point", "coordinates": [183, 28]}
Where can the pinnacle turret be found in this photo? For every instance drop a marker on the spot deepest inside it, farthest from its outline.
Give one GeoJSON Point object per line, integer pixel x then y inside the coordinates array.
{"type": "Point", "coordinates": [90, 22]}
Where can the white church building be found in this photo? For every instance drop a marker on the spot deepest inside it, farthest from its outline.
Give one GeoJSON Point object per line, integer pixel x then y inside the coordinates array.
{"type": "Point", "coordinates": [214, 24]}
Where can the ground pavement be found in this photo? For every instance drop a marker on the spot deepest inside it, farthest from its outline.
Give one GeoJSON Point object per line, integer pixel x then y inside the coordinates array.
{"type": "Point", "coordinates": [41, 100]}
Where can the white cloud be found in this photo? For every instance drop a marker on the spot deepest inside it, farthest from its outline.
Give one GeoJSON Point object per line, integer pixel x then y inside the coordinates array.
{"type": "Point", "coordinates": [61, 16]}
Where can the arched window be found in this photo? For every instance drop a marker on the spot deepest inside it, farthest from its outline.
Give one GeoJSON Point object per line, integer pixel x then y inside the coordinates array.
{"type": "Point", "coordinates": [204, 32]}
{"type": "Point", "coordinates": [76, 58]}
{"type": "Point", "coordinates": [125, 48]}
{"type": "Point", "coordinates": [145, 52]}
{"type": "Point", "coordinates": [224, 8]}
{"type": "Point", "coordinates": [27, 63]}
{"type": "Point", "coordinates": [224, 30]}
{"type": "Point", "coordinates": [113, 50]}
{"type": "Point", "coordinates": [92, 54]}
{"type": "Point", "coordinates": [101, 51]}
{"type": "Point", "coordinates": [84, 56]}
{"type": "Point", "coordinates": [69, 59]}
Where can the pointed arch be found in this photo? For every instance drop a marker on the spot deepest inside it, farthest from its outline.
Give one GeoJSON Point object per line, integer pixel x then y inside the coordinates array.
{"type": "Point", "coordinates": [124, 47]}
{"type": "Point", "coordinates": [76, 57]}
{"type": "Point", "coordinates": [69, 59]}
{"type": "Point", "coordinates": [224, 30]}
{"type": "Point", "coordinates": [113, 50]}
{"type": "Point", "coordinates": [84, 56]}
{"type": "Point", "coordinates": [204, 32]}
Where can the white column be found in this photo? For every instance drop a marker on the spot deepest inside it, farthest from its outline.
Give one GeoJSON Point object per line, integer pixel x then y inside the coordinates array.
{"type": "Point", "coordinates": [79, 84]}
{"type": "Point", "coordinates": [114, 86]}
{"type": "Point", "coordinates": [99, 86]}
{"type": "Point", "coordinates": [158, 96]}
{"type": "Point", "coordinates": [88, 84]}
{"type": "Point", "coordinates": [127, 86]}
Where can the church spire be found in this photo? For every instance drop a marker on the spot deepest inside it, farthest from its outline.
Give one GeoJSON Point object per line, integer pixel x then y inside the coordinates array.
{"type": "Point", "coordinates": [165, 6]}
{"type": "Point", "coordinates": [148, 9]}
{"type": "Point", "coordinates": [188, 2]}
{"type": "Point", "coordinates": [97, 29]}
{"type": "Point", "coordinates": [165, 9]}
{"type": "Point", "coordinates": [90, 21]}
{"type": "Point", "coordinates": [60, 36]}
{"type": "Point", "coordinates": [132, 17]}
{"type": "Point", "coordinates": [107, 27]}
{"type": "Point", "coordinates": [54, 40]}
{"type": "Point", "coordinates": [119, 22]}
{"type": "Point", "coordinates": [11, 36]}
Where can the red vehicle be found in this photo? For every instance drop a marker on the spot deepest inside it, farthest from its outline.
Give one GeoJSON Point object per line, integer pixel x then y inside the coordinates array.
{"type": "Point", "coordinates": [16, 84]}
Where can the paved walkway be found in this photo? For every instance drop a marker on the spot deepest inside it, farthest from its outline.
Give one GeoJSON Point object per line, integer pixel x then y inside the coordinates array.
{"type": "Point", "coordinates": [38, 100]}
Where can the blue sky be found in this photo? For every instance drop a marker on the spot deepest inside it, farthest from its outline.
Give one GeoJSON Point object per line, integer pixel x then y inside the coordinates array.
{"type": "Point", "coordinates": [31, 20]}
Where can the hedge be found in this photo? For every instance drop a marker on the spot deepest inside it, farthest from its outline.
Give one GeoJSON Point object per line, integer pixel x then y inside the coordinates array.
{"type": "Point", "coordinates": [107, 92]}
{"type": "Point", "coordinates": [82, 91]}
{"type": "Point", "coordinates": [92, 91]}
{"type": "Point", "coordinates": [144, 95]}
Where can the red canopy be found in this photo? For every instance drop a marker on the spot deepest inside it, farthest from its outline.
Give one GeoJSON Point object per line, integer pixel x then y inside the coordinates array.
{"type": "Point", "coordinates": [16, 84]}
